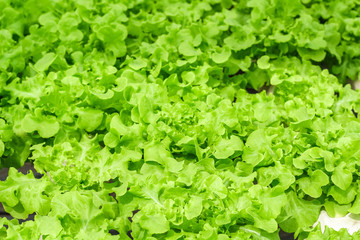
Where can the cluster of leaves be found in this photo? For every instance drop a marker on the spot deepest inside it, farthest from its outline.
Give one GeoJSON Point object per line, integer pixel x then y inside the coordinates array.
{"type": "Point", "coordinates": [137, 116]}
{"type": "Point", "coordinates": [332, 234]}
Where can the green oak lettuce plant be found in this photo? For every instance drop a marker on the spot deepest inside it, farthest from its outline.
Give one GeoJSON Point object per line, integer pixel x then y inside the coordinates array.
{"type": "Point", "coordinates": [138, 117]}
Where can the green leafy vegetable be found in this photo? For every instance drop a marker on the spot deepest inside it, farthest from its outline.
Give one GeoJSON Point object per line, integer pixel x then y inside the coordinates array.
{"type": "Point", "coordinates": [214, 119]}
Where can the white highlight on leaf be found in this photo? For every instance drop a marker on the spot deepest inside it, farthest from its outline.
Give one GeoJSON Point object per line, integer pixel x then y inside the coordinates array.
{"type": "Point", "coordinates": [351, 222]}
